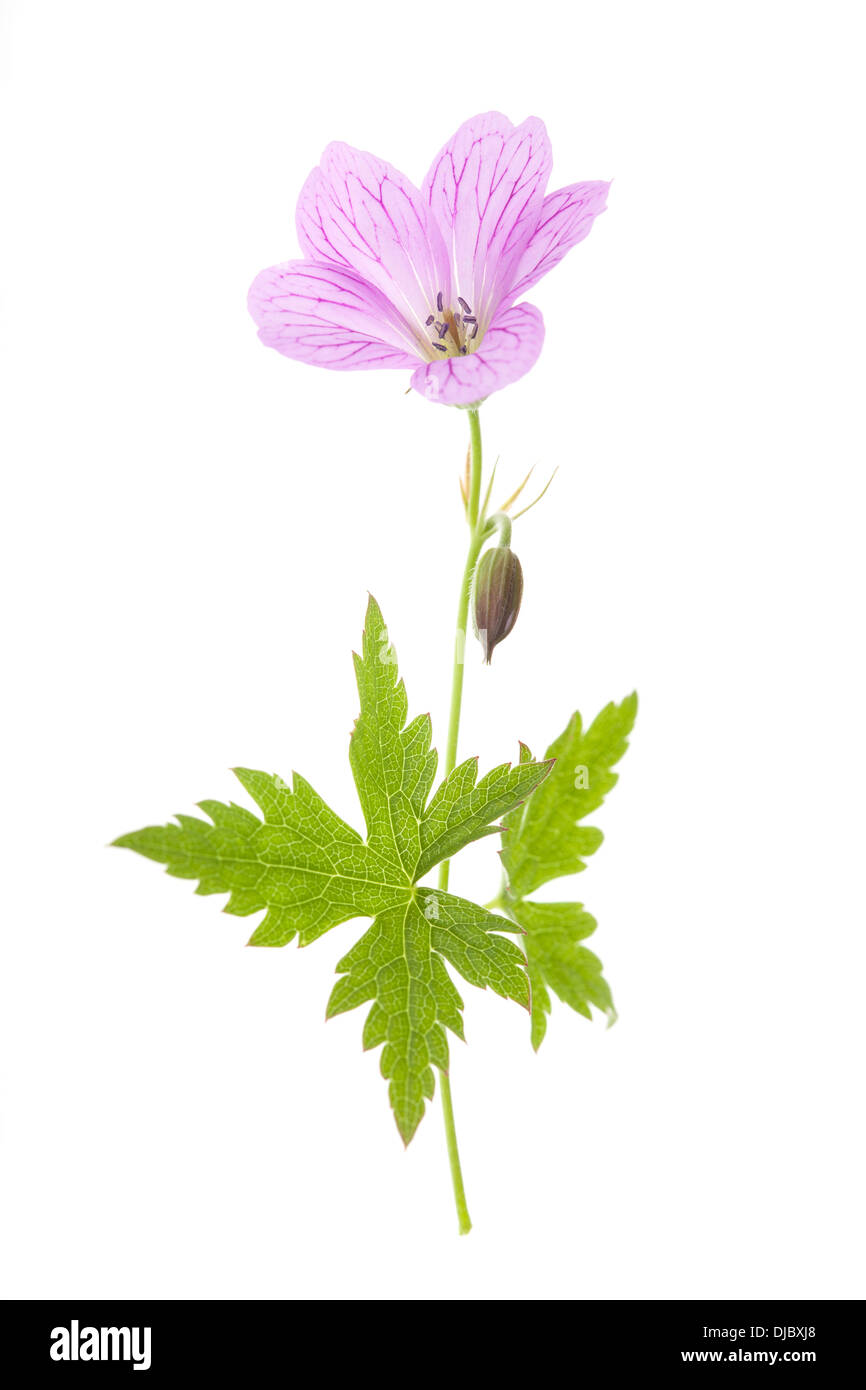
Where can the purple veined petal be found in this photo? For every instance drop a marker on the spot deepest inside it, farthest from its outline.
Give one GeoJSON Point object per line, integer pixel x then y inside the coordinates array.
{"type": "Point", "coordinates": [566, 218]}
{"type": "Point", "coordinates": [360, 213]}
{"type": "Point", "coordinates": [329, 317]}
{"type": "Point", "coordinates": [511, 346]}
{"type": "Point", "coordinates": [486, 188]}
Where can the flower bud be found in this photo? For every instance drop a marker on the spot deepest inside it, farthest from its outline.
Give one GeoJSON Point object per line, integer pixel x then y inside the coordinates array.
{"type": "Point", "coordinates": [497, 589]}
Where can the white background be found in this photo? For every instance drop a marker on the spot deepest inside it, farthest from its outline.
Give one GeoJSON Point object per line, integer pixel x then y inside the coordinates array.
{"type": "Point", "coordinates": [191, 525]}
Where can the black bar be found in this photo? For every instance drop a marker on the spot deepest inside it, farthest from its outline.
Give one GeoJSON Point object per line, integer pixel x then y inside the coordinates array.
{"type": "Point", "coordinates": [224, 1339]}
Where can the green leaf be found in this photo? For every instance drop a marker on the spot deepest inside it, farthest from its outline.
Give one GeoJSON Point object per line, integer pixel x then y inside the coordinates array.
{"type": "Point", "coordinates": [557, 960]}
{"type": "Point", "coordinates": [545, 840]}
{"type": "Point", "coordinates": [463, 933]}
{"type": "Point", "coordinates": [310, 871]}
{"type": "Point", "coordinates": [398, 966]}
{"type": "Point", "coordinates": [303, 864]}
{"type": "Point", "coordinates": [392, 762]}
{"type": "Point", "coordinates": [461, 811]}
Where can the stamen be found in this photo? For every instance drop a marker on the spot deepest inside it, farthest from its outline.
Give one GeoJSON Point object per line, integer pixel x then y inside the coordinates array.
{"type": "Point", "coordinates": [429, 321]}
{"type": "Point", "coordinates": [474, 331]}
{"type": "Point", "coordinates": [463, 305]}
{"type": "Point", "coordinates": [439, 305]}
{"type": "Point", "coordinates": [441, 329]}
{"type": "Point", "coordinates": [468, 318]}
{"type": "Point", "coordinates": [440, 347]}
{"type": "Point", "coordinates": [463, 350]}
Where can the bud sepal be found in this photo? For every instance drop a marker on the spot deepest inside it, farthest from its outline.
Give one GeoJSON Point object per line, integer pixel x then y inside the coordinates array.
{"type": "Point", "coordinates": [497, 590]}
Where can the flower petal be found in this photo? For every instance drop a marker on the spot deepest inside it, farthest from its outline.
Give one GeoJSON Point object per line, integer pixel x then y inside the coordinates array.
{"type": "Point", "coordinates": [566, 218]}
{"type": "Point", "coordinates": [486, 187]}
{"type": "Point", "coordinates": [360, 213]}
{"type": "Point", "coordinates": [328, 316]}
{"type": "Point", "coordinates": [511, 346]}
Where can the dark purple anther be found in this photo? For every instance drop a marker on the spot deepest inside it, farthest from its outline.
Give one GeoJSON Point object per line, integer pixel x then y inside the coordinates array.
{"type": "Point", "coordinates": [429, 321]}
{"type": "Point", "coordinates": [441, 329]}
{"type": "Point", "coordinates": [439, 305]}
{"type": "Point", "coordinates": [463, 305]}
{"type": "Point", "coordinates": [474, 331]}
{"type": "Point", "coordinates": [440, 347]}
{"type": "Point", "coordinates": [469, 318]}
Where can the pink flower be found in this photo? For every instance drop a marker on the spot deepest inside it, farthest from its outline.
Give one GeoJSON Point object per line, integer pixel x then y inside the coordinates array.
{"type": "Point", "coordinates": [394, 274]}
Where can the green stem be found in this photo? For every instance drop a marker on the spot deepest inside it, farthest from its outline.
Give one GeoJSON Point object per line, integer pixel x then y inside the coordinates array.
{"type": "Point", "coordinates": [501, 523]}
{"type": "Point", "coordinates": [476, 540]}
{"type": "Point", "coordinates": [464, 1221]}
{"type": "Point", "coordinates": [475, 467]}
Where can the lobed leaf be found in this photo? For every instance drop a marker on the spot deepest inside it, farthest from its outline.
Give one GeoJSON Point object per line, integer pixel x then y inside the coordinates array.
{"type": "Point", "coordinates": [398, 967]}
{"type": "Point", "coordinates": [303, 864]}
{"type": "Point", "coordinates": [556, 959]}
{"type": "Point", "coordinates": [310, 871]}
{"type": "Point", "coordinates": [461, 810]}
{"type": "Point", "coordinates": [545, 840]}
{"type": "Point", "coordinates": [392, 762]}
{"type": "Point", "coordinates": [466, 935]}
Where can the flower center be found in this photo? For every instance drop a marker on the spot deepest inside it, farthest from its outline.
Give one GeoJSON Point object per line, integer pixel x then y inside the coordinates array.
{"type": "Point", "coordinates": [452, 333]}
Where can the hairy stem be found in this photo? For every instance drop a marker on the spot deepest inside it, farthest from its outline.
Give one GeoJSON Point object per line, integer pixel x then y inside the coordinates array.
{"type": "Point", "coordinates": [475, 517]}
